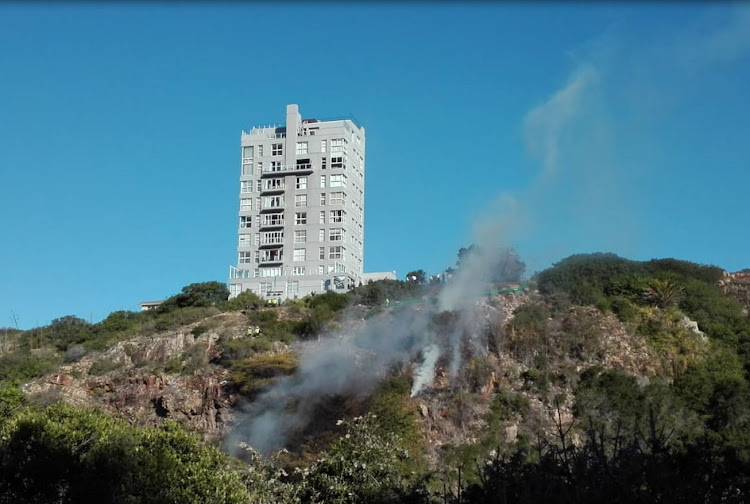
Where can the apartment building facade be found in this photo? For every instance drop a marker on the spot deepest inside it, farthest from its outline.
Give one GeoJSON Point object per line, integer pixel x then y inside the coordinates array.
{"type": "Point", "coordinates": [301, 208]}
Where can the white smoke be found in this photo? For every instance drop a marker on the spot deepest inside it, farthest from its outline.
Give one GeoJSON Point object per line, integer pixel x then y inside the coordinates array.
{"type": "Point", "coordinates": [352, 364]}
{"type": "Point", "coordinates": [425, 373]}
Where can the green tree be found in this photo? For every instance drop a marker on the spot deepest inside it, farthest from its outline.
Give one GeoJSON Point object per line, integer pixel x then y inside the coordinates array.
{"type": "Point", "coordinates": [663, 293]}
{"type": "Point", "coordinates": [198, 294]}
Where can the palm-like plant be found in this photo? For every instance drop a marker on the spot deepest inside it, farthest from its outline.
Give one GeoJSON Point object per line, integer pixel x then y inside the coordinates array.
{"type": "Point", "coordinates": [663, 293]}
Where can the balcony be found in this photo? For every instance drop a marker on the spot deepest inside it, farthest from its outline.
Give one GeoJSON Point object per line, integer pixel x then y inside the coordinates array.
{"type": "Point", "coordinates": [300, 168]}
{"type": "Point", "coordinates": [272, 256]}
{"type": "Point", "coordinates": [272, 204]}
{"type": "Point", "coordinates": [272, 188]}
{"type": "Point", "coordinates": [272, 221]}
{"type": "Point", "coordinates": [272, 241]}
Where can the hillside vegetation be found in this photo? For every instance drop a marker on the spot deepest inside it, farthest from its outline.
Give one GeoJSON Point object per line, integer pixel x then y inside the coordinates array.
{"type": "Point", "coordinates": [608, 380]}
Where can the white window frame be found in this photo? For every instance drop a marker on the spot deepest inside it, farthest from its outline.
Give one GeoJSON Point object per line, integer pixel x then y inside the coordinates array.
{"type": "Point", "coordinates": [299, 255]}
{"type": "Point", "coordinates": [300, 200]}
{"type": "Point", "coordinates": [246, 186]}
{"type": "Point", "coordinates": [292, 287]}
{"type": "Point", "coordinates": [300, 218]}
{"type": "Point", "coordinates": [300, 236]}
{"type": "Point", "coordinates": [301, 183]}
{"type": "Point", "coordinates": [277, 149]}
{"type": "Point", "coordinates": [301, 148]}
{"type": "Point", "coordinates": [336, 252]}
{"type": "Point", "coordinates": [336, 234]}
{"type": "Point", "coordinates": [246, 204]}
{"type": "Point", "coordinates": [338, 180]}
{"type": "Point", "coordinates": [337, 198]}
{"type": "Point", "coordinates": [245, 240]}
{"type": "Point", "coordinates": [246, 222]}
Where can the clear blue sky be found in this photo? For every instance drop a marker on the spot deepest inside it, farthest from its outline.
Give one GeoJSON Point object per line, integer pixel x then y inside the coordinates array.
{"type": "Point", "coordinates": [581, 127]}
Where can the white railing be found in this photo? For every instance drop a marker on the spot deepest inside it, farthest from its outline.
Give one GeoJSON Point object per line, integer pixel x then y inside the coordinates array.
{"type": "Point", "coordinates": [272, 241]}
{"type": "Point", "coordinates": [273, 187]}
{"type": "Point", "coordinates": [287, 168]}
{"type": "Point", "coordinates": [271, 259]}
{"type": "Point", "coordinates": [272, 222]}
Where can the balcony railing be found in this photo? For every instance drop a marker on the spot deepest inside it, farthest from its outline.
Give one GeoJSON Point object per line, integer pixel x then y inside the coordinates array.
{"type": "Point", "coordinates": [284, 169]}
{"type": "Point", "coordinates": [271, 259]}
{"type": "Point", "coordinates": [269, 223]}
{"type": "Point", "coordinates": [276, 240]}
{"type": "Point", "coordinates": [272, 188]}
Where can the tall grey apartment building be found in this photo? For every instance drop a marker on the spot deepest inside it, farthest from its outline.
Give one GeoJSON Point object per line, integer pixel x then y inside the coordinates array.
{"type": "Point", "coordinates": [301, 211]}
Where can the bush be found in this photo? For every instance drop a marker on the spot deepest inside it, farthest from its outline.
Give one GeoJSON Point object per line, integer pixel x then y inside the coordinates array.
{"type": "Point", "coordinates": [24, 365]}
{"type": "Point", "coordinates": [68, 455]}
{"type": "Point", "coordinates": [75, 353]}
{"type": "Point", "coordinates": [375, 293]}
{"type": "Point", "coordinates": [247, 300]}
{"type": "Point", "coordinates": [334, 301]}
{"type": "Point", "coordinates": [104, 366]}
{"type": "Point", "coordinates": [253, 374]}
{"type": "Point", "coordinates": [181, 317]}
{"type": "Point", "coordinates": [197, 295]}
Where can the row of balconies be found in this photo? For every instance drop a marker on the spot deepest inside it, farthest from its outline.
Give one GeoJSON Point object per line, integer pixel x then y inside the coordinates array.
{"type": "Point", "coordinates": [287, 169]}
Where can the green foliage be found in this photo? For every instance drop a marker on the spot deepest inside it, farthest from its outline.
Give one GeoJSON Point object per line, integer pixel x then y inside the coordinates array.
{"type": "Point", "coordinates": [198, 330]}
{"type": "Point", "coordinates": [503, 266]}
{"type": "Point", "coordinates": [479, 372]}
{"type": "Point", "coordinates": [195, 358]}
{"type": "Point", "coordinates": [247, 300]}
{"type": "Point", "coordinates": [663, 293]}
{"type": "Point", "coordinates": [24, 365]}
{"type": "Point", "coordinates": [336, 302]}
{"type": "Point", "coordinates": [396, 414]}
{"type": "Point", "coordinates": [197, 294]}
{"type": "Point", "coordinates": [376, 293]}
{"type": "Point", "coordinates": [256, 372]}
{"type": "Point", "coordinates": [528, 331]}
{"type": "Point", "coordinates": [316, 320]}
{"type": "Point", "coordinates": [68, 331]}
{"type": "Point", "coordinates": [175, 318]}
{"type": "Point", "coordinates": [104, 366]}
{"type": "Point", "coordinates": [685, 269]}
{"type": "Point", "coordinates": [11, 399]}
{"type": "Point", "coordinates": [361, 467]}
{"type": "Point", "coordinates": [69, 455]}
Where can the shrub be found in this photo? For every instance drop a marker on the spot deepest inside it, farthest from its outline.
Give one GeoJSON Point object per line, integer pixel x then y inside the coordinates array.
{"type": "Point", "coordinates": [247, 300]}
{"type": "Point", "coordinates": [253, 374]}
{"type": "Point", "coordinates": [68, 455]}
{"type": "Point", "coordinates": [104, 366]}
{"type": "Point", "coordinates": [333, 300]}
{"type": "Point", "coordinates": [75, 353]}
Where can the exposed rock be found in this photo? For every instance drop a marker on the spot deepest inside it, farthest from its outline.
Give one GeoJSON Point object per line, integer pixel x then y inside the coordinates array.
{"type": "Point", "coordinates": [424, 410]}
{"type": "Point", "coordinates": [138, 391]}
